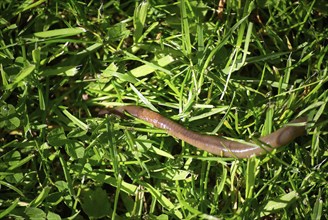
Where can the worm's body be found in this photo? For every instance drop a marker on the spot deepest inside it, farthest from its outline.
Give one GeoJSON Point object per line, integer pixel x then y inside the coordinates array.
{"type": "Point", "coordinates": [214, 144]}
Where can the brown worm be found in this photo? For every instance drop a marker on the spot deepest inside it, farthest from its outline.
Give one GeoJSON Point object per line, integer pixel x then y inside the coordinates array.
{"type": "Point", "coordinates": [214, 144]}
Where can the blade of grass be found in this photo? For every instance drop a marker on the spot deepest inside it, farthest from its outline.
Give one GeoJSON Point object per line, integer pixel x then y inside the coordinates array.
{"type": "Point", "coordinates": [60, 32]}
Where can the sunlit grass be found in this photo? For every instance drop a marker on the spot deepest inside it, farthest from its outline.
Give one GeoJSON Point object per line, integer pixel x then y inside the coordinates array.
{"type": "Point", "coordinates": [242, 75]}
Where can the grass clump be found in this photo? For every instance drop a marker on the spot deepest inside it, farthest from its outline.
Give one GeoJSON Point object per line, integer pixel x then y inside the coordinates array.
{"type": "Point", "coordinates": [241, 70]}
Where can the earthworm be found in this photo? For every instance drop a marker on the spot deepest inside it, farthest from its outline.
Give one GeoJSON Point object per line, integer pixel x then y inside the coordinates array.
{"type": "Point", "coordinates": [214, 144]}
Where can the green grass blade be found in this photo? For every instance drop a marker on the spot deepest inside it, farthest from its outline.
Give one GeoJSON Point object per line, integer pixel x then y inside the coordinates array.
{"type": "Point", "coordinates": [60, 32]}
{"type": "Point", "coordinates": [8, 210]}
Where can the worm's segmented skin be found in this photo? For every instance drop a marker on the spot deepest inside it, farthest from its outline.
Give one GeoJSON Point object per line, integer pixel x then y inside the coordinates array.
{"type": "Point", "coordinates": [214, 144]}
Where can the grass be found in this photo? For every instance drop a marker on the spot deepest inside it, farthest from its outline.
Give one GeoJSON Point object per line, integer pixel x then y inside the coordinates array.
{"type": "Point", "coordinates": [242, 75]}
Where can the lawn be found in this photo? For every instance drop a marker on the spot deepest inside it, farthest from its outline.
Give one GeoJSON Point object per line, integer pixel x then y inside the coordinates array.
{"type": "Point", "coordinates": [239, 69]}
